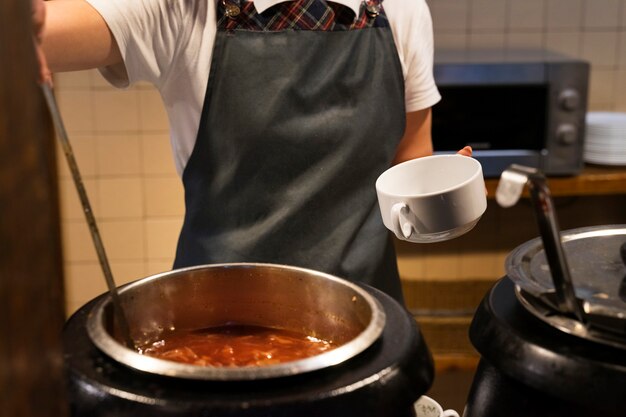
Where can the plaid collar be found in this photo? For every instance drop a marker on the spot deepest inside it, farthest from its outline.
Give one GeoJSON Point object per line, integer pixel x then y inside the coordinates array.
{"type": "Point", "coordinates": [309, 15]}
{"type": "Point", "coordinates": [262, 5]}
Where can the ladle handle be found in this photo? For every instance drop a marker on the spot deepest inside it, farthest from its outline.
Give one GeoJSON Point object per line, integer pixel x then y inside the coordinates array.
{"type": "Point", "coordinates": [548, 227]}
{"type": "Point", "coordinates": [91, 220]}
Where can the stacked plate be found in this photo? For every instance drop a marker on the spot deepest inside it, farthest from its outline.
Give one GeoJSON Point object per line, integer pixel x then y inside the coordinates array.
{"type": "Point", "coordinates": [605, 141]}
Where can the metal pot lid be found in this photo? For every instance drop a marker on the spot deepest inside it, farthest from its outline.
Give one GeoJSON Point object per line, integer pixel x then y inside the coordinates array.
{"type": "Point", "coordinates": [597, 271]}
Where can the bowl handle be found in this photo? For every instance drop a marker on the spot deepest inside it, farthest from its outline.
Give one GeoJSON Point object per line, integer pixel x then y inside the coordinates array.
{"type": "Point", "coordinates": [401, 226]}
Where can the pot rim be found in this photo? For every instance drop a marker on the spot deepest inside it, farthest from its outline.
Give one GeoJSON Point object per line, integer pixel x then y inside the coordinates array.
{"type": "Point", "coordinates": [126, 356]}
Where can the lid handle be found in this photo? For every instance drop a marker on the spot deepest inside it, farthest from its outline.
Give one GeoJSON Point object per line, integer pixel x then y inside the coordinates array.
{"type": "Point", "coordinates": [509, 190]}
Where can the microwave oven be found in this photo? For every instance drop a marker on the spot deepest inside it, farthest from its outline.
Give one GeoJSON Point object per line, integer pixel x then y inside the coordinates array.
{"type": "Point", "coordinates": [525, 107]}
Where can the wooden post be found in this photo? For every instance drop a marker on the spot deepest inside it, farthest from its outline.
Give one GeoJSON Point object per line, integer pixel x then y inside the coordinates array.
{"type": "Point", "coordinates": [31, 282]}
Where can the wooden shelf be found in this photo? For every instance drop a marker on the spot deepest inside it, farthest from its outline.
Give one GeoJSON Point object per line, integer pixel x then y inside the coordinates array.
{"type": "Point", "coordinates": [593, 180]}
{"type": "Point", "coordinates": [455, 362]}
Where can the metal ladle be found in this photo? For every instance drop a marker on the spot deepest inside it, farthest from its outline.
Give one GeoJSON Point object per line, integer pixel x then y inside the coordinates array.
{"type": "Point", "coordinates": [510, 187]}
{"type": "Point", "coordinates": [91, 220]}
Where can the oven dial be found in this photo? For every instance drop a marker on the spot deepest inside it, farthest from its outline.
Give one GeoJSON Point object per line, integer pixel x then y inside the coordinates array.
{"type": "Point", "coordinates": [567, 134]}
{"type": "Point", "coordinates": [569, 99]}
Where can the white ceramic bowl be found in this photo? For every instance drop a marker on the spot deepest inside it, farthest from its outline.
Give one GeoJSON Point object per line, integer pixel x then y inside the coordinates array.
{"type": "Point", "coordinates": [432, 199]}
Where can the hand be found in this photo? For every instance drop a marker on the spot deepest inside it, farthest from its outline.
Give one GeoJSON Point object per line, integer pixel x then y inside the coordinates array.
{"type": "Point", "coordinates": [466, 151]}
{"type": "Point", "coordinates": [38, 20]}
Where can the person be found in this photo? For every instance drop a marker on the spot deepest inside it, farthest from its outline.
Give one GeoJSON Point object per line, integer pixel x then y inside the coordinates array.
{"type": "Point", "coordinates": [282, 115]}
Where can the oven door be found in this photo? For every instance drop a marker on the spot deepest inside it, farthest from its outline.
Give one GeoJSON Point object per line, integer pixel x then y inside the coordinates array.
{"type": "Point", "coordinates": [495, 120]}
{"type": "Point", "coordinates": [528, 113]}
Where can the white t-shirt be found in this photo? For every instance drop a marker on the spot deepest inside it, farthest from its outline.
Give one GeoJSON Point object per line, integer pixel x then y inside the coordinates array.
{"type": "Point", "coordinates": [169, 43]}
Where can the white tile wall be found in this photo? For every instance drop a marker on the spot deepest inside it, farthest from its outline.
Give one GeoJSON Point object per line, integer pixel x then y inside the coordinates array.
{"type": "Point", "coordinates": [162, 236]}
{"type": "Point", "coordinates": [81, 102]}
{"type": "Point", "coordinates": [121, 142]}
{"type": "Point", "coordinates": [116, 111]}
{"type": "Point", "coordinates": [594, 30]}
{"type": "Point", "coordinates": [601, 14]}
{"type": "Point", "coordinates": [600, 48]}
{"type": "Point", "coordinates": [83, 281]}
{"type": "Point", "coordinates": [125, 239]}
{"type": "Point", "coordinates": [564, 14]}
{"type": "Point", "coordinates": [155, 205]}
{"type": "Point", "coordinates": [157, 154]}
{"type": "Point", "coordinates": [526, 15]}
{"type": "Point", "coordinates": [71, 209]}
{"type": "Point", "coordinates": [118, 154]}
{"type": "Point", "coordinates": [565, 42]}
{"type": "Point", "coordinates": [487, 40]}
{"type": "Point", "coordinates": [120, 198]}
{"type": "Point", "coordinates": [450, 15]}
{"type": "Point", "coordinates": [488, 15]}
{"type": "Point", "coordinates": [620, 85]}
{"type": "Point", "coordinates": [524, 40]}
{"type": "Point", "coordinates": [621, 49]}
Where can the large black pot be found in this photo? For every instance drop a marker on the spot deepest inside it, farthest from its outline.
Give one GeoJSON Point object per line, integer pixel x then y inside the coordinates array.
{"type": "Point", "coordinates": [383, 380]}
{"type": "Point", "coordinates": [530, 368]}
{"type": "Point", "coordinates": [552, 333]}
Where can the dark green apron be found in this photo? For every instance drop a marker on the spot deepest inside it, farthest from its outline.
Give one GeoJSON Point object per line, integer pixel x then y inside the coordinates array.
{"type": "Point", "coordinates": [296, 127]}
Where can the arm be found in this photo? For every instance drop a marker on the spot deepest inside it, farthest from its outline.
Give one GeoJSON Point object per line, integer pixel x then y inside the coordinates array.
{"type": "Point", "coordinates": [417, 139]}
{"type": "Point", "coordinates": [38, 10]}
{"type": "Point", "coordinates": [75, 37]}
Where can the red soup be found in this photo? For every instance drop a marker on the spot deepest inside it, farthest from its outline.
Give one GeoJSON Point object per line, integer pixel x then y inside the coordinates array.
{"type": "Point", "coordinates": [236, 345]}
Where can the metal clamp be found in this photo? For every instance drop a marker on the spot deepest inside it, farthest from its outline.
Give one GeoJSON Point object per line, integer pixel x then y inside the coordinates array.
{"type": "Point", "coordinates": [373, 7]}
{"type": "Point", "coordinates": [232, 8]}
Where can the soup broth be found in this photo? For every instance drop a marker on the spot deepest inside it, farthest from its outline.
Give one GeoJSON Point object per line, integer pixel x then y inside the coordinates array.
{"type": "Point", "coordinates": [236, 346]}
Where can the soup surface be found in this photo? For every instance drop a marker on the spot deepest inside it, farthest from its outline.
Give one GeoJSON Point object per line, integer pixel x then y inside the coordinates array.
{"type": "Point", "coordinates": [236, 345]}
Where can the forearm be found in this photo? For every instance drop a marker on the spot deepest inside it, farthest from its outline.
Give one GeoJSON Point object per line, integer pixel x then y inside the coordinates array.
{"type": "Point", "coordinates": [75, 37]}
{"type": "Point", "coordinates": [417, 139]}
